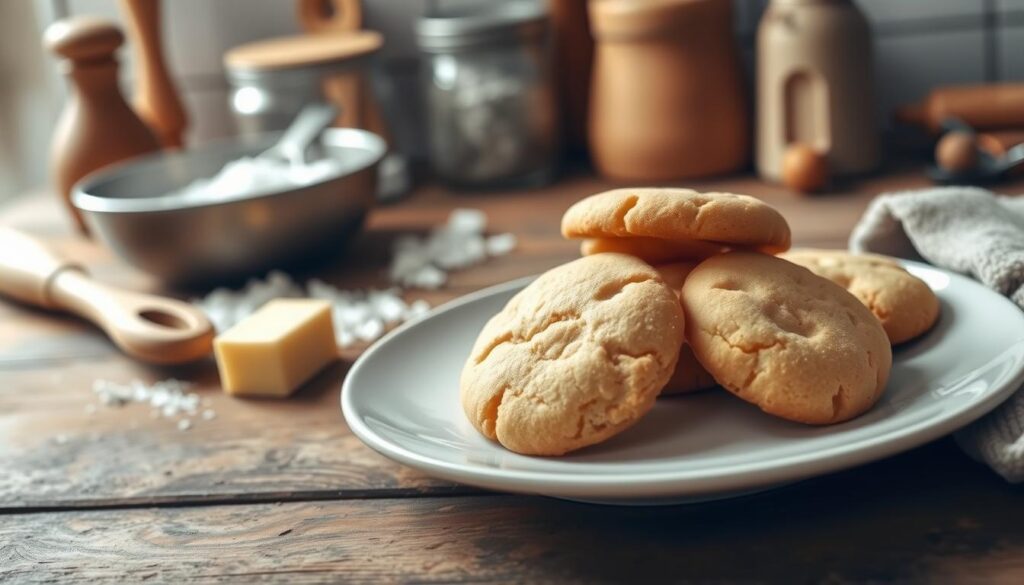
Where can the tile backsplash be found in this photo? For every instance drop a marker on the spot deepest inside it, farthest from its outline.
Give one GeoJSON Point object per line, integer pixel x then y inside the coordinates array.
{"type": "Point", "coordinates": [919, 44]}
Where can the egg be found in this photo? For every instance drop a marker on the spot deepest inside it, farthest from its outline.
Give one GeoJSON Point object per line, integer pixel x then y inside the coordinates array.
{"type": "Point", "coordinates": [957, 152]}
{"type": "Point", "coordinates": [804, 169]}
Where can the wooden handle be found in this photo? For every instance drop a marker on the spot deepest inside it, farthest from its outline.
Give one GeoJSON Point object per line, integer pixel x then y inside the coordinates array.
{"type": "Point", "coordinates": [156, 97]}
{"type": "Point", "coordinates": [27, 268]}
{"type": "Point", "coordinates": [151, 328]}
{"type": "Point", "coordinates": [326, 16]}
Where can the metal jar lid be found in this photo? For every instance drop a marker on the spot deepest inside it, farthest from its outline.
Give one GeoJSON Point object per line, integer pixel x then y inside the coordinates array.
{"type": "Point", "coordinates": [493, 23]}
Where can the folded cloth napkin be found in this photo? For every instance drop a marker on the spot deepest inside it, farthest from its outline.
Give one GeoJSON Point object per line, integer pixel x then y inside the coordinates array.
{"type": "Point", "coordinates": [978, 233]}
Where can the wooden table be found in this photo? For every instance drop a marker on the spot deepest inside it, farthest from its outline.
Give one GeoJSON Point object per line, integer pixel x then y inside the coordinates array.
{"type": "Point", "coordinates": [282, 491]}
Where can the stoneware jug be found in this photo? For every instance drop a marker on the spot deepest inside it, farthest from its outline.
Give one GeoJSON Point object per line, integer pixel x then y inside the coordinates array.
{"type": "Point", "coordinates": [667, 97]}
{"type": "Point", "coordinates": [815, 86]}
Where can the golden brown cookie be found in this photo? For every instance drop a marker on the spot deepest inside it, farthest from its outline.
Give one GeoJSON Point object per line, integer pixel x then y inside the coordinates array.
{"type": "Point", "coordinates": [652, 250]}
{"type": "Point", "coordinates": [678, 214]}
{"type": "Point", "coordinates": [904, 303]}
{"type": "Point", "coordinates": [576, 357]}
{"type": "Point", "coordinates": [689, 375]}
{"type": "Point", "coordinates": [777, 335]}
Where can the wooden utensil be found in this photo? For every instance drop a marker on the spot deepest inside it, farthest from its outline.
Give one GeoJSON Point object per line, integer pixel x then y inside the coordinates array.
{"type": "Point", "coordinates": [993, 106]}
{"type": "Point", "coordinates": [97, 127]}
{"type": "Point", "coordinates": [329, 16]}
{"type": "Point", "coordinates": [156, 98]}
{"type": "Point", "coordinates": [151, 328]}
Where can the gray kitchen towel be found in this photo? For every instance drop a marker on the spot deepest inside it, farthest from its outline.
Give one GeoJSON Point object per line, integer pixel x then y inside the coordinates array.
{"type": "Point", "coordinates": [977, 233]}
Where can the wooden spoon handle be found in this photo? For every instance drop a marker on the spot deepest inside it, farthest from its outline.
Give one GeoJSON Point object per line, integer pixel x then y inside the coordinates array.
{"type": "Point", "coordinates": [151, 328]}
{"type": "Point", "coordinates": [330, 16]}
{"type": "Point", "coordinates": [154, 329]}
{"type": "Point", "coordinates": [27, 268]}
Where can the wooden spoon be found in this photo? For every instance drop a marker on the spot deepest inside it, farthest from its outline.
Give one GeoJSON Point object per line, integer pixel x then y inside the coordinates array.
{"type": "Point", "coordinates": [151, 328]}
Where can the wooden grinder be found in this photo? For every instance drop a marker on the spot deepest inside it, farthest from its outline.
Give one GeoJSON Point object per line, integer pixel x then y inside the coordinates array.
{"type": "Point", "coordinates": [97, 127]}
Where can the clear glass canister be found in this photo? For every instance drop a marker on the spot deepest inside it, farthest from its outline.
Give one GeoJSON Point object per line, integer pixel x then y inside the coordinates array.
{"type": "Point", "coordinates": [489, 97]}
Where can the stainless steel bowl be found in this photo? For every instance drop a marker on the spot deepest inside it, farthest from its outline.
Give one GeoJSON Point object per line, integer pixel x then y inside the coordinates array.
{"type": "Point", "coordinates": [188, 243]}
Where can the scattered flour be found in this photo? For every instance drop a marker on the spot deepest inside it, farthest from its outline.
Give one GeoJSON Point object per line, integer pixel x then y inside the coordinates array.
{"type": "Point", "coordinates": [423, 262]}
{"type": "Point", "coordinates": [362, 316]}
{"type": "Point", "coordinates": [168, 398]}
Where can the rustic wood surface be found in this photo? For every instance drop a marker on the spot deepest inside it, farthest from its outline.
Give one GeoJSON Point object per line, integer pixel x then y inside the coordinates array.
{"type": "Point", "coordinates": [281, 490]}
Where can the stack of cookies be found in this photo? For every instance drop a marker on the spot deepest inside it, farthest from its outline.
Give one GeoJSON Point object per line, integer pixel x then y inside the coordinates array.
{"type": "Point", "coordinates": [679, 291]}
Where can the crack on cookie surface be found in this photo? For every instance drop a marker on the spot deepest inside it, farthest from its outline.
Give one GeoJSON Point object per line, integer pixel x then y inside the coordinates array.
{"type": "Point", "coordinates": [512, 337]}
{"type": "Point", "coordinates": [616, 353]}
{"type": "Point", "coordinates": [611, 289]}
{"type": "Point", "coordinates": [532, 397]}
{"type": "Point", "coordinates": [839, 400]}
{"type": "Point", "coordinates": [486, 352]}
{"type": "Point", "coordinates": [726, 285]}
{"type": "Point", "coordinates": [619, 221]}
{"type": "Point", "coordinates": [749, 348]}
{"type": "Point", "coordinates": [489, 416]}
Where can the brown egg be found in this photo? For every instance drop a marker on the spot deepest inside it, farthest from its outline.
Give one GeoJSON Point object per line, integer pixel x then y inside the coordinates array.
{"type": "Point", "coordinates": [804, 169]}
{"type": "Point", "coordinates": [957, 152]}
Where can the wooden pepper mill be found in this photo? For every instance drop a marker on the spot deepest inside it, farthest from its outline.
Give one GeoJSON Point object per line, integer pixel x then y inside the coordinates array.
{"type": "Point", "coordinates": [156, 98]}
{"type": "Point", "coordinates": [97, 127]}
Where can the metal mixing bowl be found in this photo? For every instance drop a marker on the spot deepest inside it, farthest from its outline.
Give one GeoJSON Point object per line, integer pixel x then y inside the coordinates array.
{"type": "Point", "coordinates": [188, 243]}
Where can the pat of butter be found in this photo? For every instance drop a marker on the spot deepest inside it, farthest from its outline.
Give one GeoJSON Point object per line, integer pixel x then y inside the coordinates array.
{"type": "Point", "coordinates": [277, 348]}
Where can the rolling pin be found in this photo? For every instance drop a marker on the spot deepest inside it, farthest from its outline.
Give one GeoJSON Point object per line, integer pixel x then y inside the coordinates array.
{"type": "Point", "coordinates": [996, 106]}
{"type": "Point", "coordinates": [153, 329]}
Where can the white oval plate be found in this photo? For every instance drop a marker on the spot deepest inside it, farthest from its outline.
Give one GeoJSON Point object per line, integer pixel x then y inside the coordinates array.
{"type": "Point", "coordinates": [402, 399]}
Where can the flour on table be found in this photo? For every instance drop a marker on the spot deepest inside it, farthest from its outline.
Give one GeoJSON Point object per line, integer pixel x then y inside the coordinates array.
{"type": "Point", "coordinates": [168, 399]}
{"type": "Point", "coordinates": [363, 316]}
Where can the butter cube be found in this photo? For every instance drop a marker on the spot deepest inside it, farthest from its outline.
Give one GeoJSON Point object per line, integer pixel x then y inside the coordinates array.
{"type": "Point", "coordinates": [277, 348]}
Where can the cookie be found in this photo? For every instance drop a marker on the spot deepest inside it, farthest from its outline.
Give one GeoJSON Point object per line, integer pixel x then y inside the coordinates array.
{"type": "Point", "coordinates": [777, 335]}
{"type": "Point", "coordinates": [678, 214]}
{"type": "Point", "coordinates": [689, 375]}
{"type": "Point", "coordinates": [904, 303]}
{"type": "Point", "coordinates": [576, 357]}
{"type": "Point", "coordinates": [652, 250]}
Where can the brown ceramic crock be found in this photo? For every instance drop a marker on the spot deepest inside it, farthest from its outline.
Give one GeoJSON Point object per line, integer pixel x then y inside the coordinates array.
{"type": "Point", "coordinates": [667, 97]}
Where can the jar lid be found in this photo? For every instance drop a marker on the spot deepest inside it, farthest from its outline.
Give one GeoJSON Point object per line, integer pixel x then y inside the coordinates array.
{"type": "Point", "coordinates": [302, 51]}
{"type": "Point", "coordinates": [482, 24]}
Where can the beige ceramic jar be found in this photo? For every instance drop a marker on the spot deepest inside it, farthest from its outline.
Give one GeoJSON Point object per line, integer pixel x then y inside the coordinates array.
{"type": "Point", "coordinates": [667, 99]}
{"type": "Point", "coordinates": [815, 86]}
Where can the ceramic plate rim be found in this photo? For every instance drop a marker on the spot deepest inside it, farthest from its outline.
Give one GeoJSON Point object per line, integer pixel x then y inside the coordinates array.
{"type": "Point", "coordinates": [680, 482]}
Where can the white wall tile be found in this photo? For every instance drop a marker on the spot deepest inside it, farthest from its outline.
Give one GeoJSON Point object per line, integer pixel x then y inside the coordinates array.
{"type": "Point", "coordinates": [395, 20]}
{"type": "Point", "coordinates": [1011, 58]}
{"type": "Point", "coordinates": [199, 32]}
{"type": "Point", "coordinates": [1009, 5]}
{"type": "Point", "coordinates": [909, 66]}
{"type": "Point", "coordinates": [901, 10]}
{"type": "Point", "coordinates": [747, 14]}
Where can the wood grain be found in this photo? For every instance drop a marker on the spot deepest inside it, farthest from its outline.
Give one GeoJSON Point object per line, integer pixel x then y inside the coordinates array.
{"type": "Point", "coordinates": [913, 518]}
{"type": "Point", "coordinates": [58, 456]}
{"type": "Point", "coordinates": [56, 453]}
{"type": "Point", "coordinates": [76, 488]}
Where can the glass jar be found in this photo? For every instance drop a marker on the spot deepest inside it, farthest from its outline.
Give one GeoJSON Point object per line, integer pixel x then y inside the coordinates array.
{"type": "Point", "coordinates": [489, 97]}
{"type": "Point", "coordinates": [272, 80]}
